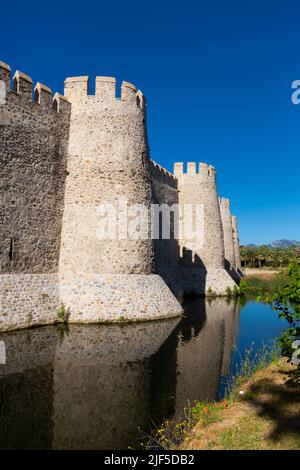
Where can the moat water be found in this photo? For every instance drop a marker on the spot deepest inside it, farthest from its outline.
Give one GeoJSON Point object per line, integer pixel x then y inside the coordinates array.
{"type": "Point", "coordinates": [104, 387]}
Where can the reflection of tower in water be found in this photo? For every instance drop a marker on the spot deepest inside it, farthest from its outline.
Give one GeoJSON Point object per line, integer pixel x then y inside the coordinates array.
{"type": "Point", "coordinates": [232, 318]}
{"type": "Point", "coordinates": [192, 360]}
{"type": "Point", "coordinates": [101, 384]}
{"type": "Point", "coordinates": [202, 357]}
{"type": "Point", "coordinates": [87, 388]}
{"type": "Point", "coordinates": [93, 386]}
{"type": "Point", "coordinates": [26, 389]}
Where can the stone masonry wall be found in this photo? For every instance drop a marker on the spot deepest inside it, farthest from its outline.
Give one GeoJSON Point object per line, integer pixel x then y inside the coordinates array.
{"type": "Point", "coordinates": [107, 161]}
{"type": "Point", "coordinates": [227, 230]}
{"type": "Point", "coordinates": [33, 144]}
{"type": "Point", "coordinates": [236, 242]}
{"type": "Point", "coordinates": [165, 191]}
{"type": "Point", "coordinates": [199, 188]}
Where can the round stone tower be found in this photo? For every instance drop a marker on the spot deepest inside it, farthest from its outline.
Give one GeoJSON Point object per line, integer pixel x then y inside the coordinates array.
{"type": "Point", "coordinates": [227, 230]}
{"type": "Point", "coordinates": [236, 242]}
{"type": "Point", "coordinates": [108, 274]}
{"type": "Point", "coordinates": [202, 255]}
{"type": "Point", "coordinates": [199, 189]}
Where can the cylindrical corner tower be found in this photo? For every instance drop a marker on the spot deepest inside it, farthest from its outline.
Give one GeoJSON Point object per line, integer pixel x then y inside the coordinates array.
{"type": "Point", "coordinates": [199, 190]}
{"type": "Point", "coordinates": [228, 232]}
{"type": "Point", "coordinates": [236, 242]}
{"type": "Point", "coordinates": [107, 161]}
{"type": "Point", "coordinates": [202, 256]}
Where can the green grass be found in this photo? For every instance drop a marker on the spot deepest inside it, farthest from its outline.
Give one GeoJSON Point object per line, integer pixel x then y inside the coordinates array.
{"type": "Point", "coordinates": [250, 363]}
{"type": "Point", "coordinates": [252, 286]}
{"type": "Point", "coordinates": [265, 417]}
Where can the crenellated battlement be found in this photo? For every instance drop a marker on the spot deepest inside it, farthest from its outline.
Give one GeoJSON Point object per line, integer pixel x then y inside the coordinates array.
{"type": "Point", "coordinates": [191, 169]}
{"type": "Point", "coordinates": [20, 90]}
{"type": "Point", "coordinates": [161, 174]}
{"type": "Point", "coordinates": [224, 202]}
{"type": "Point", "coordinates": [77, 89]}
{"type": "Point", "coordinates": [5, 74]}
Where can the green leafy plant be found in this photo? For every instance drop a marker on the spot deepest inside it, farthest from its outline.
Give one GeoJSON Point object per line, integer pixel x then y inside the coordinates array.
{"type": "Point", "coordinates": [63, 313]}
{"type": "Point", "coordinates": [232, 293]}
{"type": "Point", "coordinates": [228, 291]}
{"type": "Point", "coordinates": [121, 319]}
{"type": "Point", "coordinates": [210, 293]}
{"type": "Point", "coordinates": [286, 302]}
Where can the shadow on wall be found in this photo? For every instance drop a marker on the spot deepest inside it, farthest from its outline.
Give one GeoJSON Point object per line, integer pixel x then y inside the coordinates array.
{"type": "Point", "coordinates": [188, 277]}
{"type": "Point", "coordinates": [234, 273]}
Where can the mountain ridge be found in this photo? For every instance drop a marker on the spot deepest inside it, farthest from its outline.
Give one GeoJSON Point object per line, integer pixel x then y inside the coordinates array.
{"type": "Point", "coordinates": [283, 243]}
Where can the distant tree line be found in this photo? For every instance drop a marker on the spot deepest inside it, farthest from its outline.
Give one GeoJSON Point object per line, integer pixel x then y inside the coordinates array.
{"type": "Point", "coordinates": [265, 256]}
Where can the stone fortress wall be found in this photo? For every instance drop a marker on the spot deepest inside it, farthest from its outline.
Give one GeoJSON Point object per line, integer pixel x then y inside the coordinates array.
{"type": "Point", "coordinates": [33, 142]}
{"type": "Point", "coordinates": [62, 157]}
{"type": "Point", "coordinates": [34, 129]}
{"type": "Point", "coordinates": [228, 231]}
{"type": "Point", "coordinates": [236, 243]}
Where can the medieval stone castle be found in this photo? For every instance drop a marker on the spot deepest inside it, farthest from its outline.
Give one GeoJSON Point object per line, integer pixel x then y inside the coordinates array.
{"type": "Point", "coordinates": [60, 158]}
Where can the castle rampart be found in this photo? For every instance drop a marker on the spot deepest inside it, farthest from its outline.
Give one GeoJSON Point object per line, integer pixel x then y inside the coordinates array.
{"type": "Point", "coordinates": [202, 258]}
{"type": "Point", "coordinates": [33, 142]}
{"type": "Point", "coordinates": [164, 191]}
{"type": "Point", "coordinates": [62, 159]}
{"type": "Point", "coordinates": [228, 232]}
{"type": "Point", "coordinates": [236, 242]}
{"type": "Point", "coordinates": [199, 189]}
{"type": "Point", "coordinates": [108, 161]}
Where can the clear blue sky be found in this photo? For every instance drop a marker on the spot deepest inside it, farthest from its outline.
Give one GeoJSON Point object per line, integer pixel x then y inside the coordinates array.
{"type": "Point", "coordinates": [217, 76]}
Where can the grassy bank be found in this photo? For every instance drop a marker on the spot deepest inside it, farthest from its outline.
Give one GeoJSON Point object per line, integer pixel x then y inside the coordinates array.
{"type": "Point", "coordinates": [261, 414]}
{"type": "Point", "coordinates": [263, 282]}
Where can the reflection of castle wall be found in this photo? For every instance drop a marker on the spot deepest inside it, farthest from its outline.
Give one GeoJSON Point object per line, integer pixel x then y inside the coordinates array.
{"type": "Point", "coordinates": [26, 384]}
{"type": "Point", "coordinates": [83, 388]}
{"type": "Point", "coordinates": [201, 356]}
{"type": "Point", "coordinates": [163, 379]}
{"type": "Point", "coordinates": [28, 349]}
{"type": "Point", "coordinates": [99, 407]}
{"type": "Point", "coordinates": [26, 409]}
{"type": "Point", "coordinates": [231, 318]}
{"type": "Point", "coordinates": [101, 384]}
{"type": "Point", "coordinates": [93, 386]}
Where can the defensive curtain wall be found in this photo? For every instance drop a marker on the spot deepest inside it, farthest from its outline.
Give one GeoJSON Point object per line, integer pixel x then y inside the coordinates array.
{"type": "Point", "coordinates": [63, 157]}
